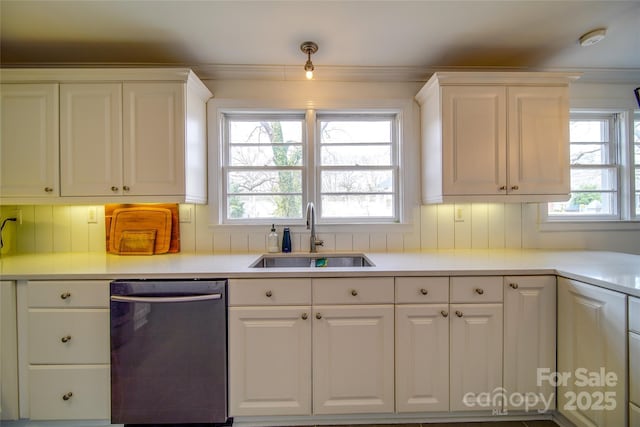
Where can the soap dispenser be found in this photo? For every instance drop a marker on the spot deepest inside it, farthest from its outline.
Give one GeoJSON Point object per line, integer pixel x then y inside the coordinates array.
{"type": "Point", "coordinates": [272, 241]}
{"type": "Point", "coordinates": [286, 240]}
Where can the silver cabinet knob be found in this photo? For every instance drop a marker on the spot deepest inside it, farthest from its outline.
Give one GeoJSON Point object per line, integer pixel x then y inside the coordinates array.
{"type": "Point", "coordinates": [269, 294]}
{"type": "Point", "coordinates": [126, 188]}
{"type": "Point", "coordinates": [67, 396]}
{"type": "Point", "coordinates": [48, 189]}
{"type": "Point", "coordinates": [444, 313]}
{"type": "Point", "coordinates": [318, 316]}
{"type": "Point", "coordinates": [515, 187]}
{"type": "Point", "coordinates": [66, 339]}
{"type": "Point", "coordinates": [114, 188]}
{"type": "Point", "coordinates": [354, 292]}
{"type": "Point", "coordinates": [459, 313]}
{"type": "Point", "coordinates": [479, 291]}
{"type": "Point", "coordinates": [513, 285]}
{"type": "Point", "coordinates": [424, 291]}
{"type": "Point", "coordinates": [304, 316]}
{"type": "Point", "coordinates": [65, 295]}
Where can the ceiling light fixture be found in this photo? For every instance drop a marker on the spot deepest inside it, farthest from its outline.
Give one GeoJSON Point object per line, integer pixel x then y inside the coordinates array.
{"type": "Point", "coordinates": [592, 37]}
{"type": "Point", "coordinates": [309, 48]}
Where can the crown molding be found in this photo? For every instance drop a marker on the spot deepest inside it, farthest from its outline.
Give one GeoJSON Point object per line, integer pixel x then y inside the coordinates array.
{"type": "Point", "coordinates": [326, 73]}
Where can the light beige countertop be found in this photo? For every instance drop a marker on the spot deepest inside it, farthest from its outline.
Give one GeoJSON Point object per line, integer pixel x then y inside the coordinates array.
{"type": "Point", "coordinates": [612, 270]}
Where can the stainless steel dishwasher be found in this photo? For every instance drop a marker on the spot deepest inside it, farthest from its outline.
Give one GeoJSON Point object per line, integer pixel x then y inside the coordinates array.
{"type": "Point", "coordinates": [168, 352]}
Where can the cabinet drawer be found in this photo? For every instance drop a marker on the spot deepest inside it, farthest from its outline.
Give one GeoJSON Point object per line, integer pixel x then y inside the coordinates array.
{"type": "Point", "coordinates": [50, 386]}
{"type": "Point", "coordinates": [634, 368]}
{"type": "Point", "coordinates": [68, 336]}
{"type": "Point", "coordinates": [417, 290]}
{"type": "Point", "coordinates": [69, 293]}
{"type": "Point", "coordinates": [476, 289]}
{"type": "Point", "coordinates": [360, 290]}
{"type": "Point", "coordinates": [269, 292]}
{"type": "Point", "coordinates": [634, 314]}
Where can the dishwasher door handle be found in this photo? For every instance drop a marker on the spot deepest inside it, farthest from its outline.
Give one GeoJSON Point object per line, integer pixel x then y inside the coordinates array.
{"type": "Point", "coordinates": [192, 298]}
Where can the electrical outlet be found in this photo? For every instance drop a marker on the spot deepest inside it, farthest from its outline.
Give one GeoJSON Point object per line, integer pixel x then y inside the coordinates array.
{"type": "Point", "coordinates": [185, 213]}
{"type": "Point", "coordinates": [92, 215]}
{"type": "Point", "coordinates": [18, 215]}
{"type": "Point", "coordinates": [459, 215]}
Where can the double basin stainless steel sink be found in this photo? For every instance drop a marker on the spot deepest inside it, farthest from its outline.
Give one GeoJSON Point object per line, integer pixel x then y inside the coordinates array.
{"type": "Point", "coordinates": [312, 260]}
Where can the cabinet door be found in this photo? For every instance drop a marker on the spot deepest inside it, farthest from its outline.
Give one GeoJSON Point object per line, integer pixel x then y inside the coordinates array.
{"type": "Point", "coordinates": [422, 358]}
{"type": "Point", "coordinates": [153, 139]}
{"type": "Point", "coordinates": [529, 339]}
{"type": "Point", "coordinates": [91, 139]}
{"type": "Point", "coordinates": [269, 361]}
{"type": "Point", "coordinates": [8, 353]}
{"type": "Point", "coordinates": [353, 359]}
{"type": "Point", "coordinates": [634, 368]}
{"type": "Point", "coordinates": [538, 135]}
{"type": "Point", "coordinates": [473, 140]}
{"type": "Point", "coordinates": [476, 356]}
{"type": "Point", "coordinates": [591, 336]}
{"type": "Point", "coordinates": [29, 140]}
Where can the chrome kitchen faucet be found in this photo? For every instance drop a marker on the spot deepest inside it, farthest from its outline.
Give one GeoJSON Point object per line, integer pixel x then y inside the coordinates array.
{"type": "Point", "coordinates": [311, 225]}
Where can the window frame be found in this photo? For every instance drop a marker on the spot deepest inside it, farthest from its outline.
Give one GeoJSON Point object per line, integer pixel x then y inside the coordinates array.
{"type": "Point", "coordinates": [626, 218]}
{"type": "Point", "coordinates": [311, 169]}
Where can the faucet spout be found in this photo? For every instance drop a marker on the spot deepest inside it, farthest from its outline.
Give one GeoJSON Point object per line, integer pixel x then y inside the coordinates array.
{"type": "Point", "coordinates": [311, 225]}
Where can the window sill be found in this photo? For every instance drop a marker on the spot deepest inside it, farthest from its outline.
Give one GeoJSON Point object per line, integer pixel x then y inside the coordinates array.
{"type": "Point", "coordinates": [569, 225]}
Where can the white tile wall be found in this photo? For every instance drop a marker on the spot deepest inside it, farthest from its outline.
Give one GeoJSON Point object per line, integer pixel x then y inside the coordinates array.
{"type": "Point", "coordinates": [53, 228]}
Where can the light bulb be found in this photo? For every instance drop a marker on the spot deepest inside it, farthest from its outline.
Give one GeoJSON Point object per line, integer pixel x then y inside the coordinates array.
{"type": "Point", "coordinates": [309, 74]}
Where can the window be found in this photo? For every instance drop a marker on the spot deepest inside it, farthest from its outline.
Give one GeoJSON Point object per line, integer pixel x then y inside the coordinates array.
{"type": "Point", "coordinates": [264, 166]}
{"type": "Point", "coordinates": [357, 167]}
{"type": "Point", "coordinates": [594, 169]}
{"type": "Point", "coordinates": [605, 171]}
{"type": "Point", "coordinates": [636, 167]}
{"type": "Point", "coordinates": [274, 163]}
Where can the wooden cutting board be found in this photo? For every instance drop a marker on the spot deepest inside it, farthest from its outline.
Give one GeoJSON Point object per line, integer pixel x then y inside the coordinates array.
{"type": "Point", "coordinates": [130, 229]}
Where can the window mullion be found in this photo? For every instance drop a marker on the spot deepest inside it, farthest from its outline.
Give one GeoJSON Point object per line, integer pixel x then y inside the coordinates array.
{"type": "Point", "coordinates": [310, 176]}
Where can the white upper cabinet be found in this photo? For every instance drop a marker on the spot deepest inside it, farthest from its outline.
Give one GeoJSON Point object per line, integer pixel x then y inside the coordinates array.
{"type": "Point", "coordinates": [154, 139]}
{"type": "Point", "coordinates": [29, 141]}
{"type": "Point", "coordinates": [91, 139]}
{"type": "Point", "coordinates": [495, 137]}
{"type": "Point", "coordinates": [126, 135]}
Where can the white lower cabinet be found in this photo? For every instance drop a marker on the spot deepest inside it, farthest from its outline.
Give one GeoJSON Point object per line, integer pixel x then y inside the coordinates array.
{"type": "Point", "coordinates": [422, 344]}
{"type": "Point", "coordinates": [529, 341]}
{"type": "Point", "coordinates": [353, 359]}
{"type": "Point", "coordinates": [422, 357]}
{"type": "Point", "coordinates": [270, 360]}
{"type": "Point", "coordinates": [476, 356]}
{"type": "Point", "coordinates": [591, 345]}
{"type": "Point", "coordinates": [634, 362]}
{"type": "Point", "coordinates": [68, 350]}
{"type": "Point", "coordinates": [269, 347]}
{"type": "Point", "coordinates": [273, 358]}
{"type": "Point", "coordinates": [476, 343]}
{"type": "Point", "coordinates": [9, 409]}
